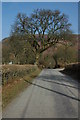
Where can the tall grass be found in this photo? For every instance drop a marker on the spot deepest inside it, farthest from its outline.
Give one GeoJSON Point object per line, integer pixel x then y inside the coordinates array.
{"type": "Point", "coordinates": [11, 72]}
{"type": "Point", "coordinates": [13, 80]}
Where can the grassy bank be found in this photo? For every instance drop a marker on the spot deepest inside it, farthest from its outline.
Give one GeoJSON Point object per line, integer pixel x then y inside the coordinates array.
{"type": "Point", "coordinates": [13, 82]}
{"type": "Point", "coordinates": [73, 70]}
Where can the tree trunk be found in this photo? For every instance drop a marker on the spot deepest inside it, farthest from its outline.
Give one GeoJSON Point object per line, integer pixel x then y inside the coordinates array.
{"type": "Point", "coordinates": [56, 62]}
{"type": "Point", "coordinates": [37, 59]}
{"type": "Point", "coordinates": [65, 59]}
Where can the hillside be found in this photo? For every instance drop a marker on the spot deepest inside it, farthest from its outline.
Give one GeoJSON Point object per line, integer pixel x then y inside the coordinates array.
{"type": "Point", "coordinates": [0, 52]}
{"type": "Point", "coordinates": [19, 51]}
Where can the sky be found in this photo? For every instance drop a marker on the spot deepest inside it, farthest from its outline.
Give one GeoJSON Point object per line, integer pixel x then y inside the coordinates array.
{"type": "Point", "coordinates": [40, 0]}
{"type": "Point", "coordinates": [11, 9]}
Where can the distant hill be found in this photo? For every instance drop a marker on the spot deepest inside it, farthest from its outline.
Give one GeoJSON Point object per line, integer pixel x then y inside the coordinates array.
{"type": "Point", "coordinates": [19, 51]}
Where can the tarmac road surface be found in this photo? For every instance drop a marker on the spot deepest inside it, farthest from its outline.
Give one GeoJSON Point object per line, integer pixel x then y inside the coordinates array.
{"type": "Point", "coordinates": [51, 95]}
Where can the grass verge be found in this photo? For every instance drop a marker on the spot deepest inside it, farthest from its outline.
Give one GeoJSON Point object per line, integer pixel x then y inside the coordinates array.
{"type": "Point", "coordinates": [12, 89]}
{"type": "Point", "coordinates": [73, 70]}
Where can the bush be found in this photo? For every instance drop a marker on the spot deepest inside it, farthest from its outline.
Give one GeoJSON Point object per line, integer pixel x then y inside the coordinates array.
{"type": "Point", "coordinates": [73, 70]}
{"type": "Point", "coordinates": [58, 56]}
{"type": "Point", "coordinates": [18, 51]}
{"type": "Point", "coordinates": [9, 72]}
{"type": "Point", "coordinates": [46, 61]}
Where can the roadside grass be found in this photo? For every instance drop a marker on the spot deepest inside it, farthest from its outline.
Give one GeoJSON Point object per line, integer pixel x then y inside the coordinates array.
{"type": "Point", "coordinates": [73, 70]}
{"type": "Point", "coordinates": [13, 88]}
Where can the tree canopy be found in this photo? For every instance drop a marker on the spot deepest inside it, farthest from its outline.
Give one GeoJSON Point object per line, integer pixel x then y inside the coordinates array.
{"type": "Point", "coordinates": [44, 28]}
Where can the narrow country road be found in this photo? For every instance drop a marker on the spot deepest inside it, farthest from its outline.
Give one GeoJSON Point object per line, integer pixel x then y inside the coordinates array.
{"type": "Point", "coordinates": [51, 95]}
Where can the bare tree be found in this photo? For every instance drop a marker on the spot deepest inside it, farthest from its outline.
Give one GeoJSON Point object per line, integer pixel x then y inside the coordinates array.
{"type": "Point", "coordinates": [44, 26]}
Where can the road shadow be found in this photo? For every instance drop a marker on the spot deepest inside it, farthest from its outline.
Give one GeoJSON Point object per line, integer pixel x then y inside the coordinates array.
{"type": "Point", "coordinates": [59, 78]}
{"type": "Point", "coordinates": [51, 90]}
{"type": "Point", "coordinates": [59, 83]}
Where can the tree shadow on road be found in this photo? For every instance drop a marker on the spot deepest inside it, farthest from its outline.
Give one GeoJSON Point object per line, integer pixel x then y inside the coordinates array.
{"type": "Point", "coordinates": [62, 77]}
{"type": "Point", "coordinates": [59, 83]}
{"type": "Point", "coordinates": [52, 90]}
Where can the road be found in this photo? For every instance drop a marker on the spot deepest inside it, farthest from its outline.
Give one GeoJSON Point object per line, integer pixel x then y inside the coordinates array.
{"type": "Point", "coordinates": [51, 95]}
